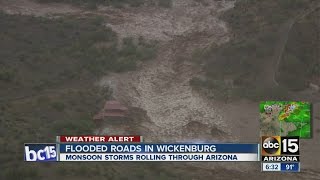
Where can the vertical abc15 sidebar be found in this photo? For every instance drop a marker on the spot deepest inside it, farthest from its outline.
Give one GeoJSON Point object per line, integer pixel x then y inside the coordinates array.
{"type": "Point", "coordinates": [280, 146]}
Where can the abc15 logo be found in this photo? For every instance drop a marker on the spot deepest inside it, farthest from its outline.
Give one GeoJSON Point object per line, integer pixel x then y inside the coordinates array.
{"type": "Point", "coordinates": [277, 145]}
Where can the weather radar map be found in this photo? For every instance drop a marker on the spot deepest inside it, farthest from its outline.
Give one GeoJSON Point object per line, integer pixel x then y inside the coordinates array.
{"type": "Point", "coordinates": [285, 118]}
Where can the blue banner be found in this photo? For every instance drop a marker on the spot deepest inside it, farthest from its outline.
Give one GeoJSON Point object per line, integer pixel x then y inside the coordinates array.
{"type": "Point", "coordinates": [290, 167]}
{"type": "Point", "coordinates": [159, 148]}
{"type": "Point", "coordinates": [40, 152]}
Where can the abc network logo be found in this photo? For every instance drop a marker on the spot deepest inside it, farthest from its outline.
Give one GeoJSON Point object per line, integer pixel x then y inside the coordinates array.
{"type": "Point", "coordinates": [40, 152]}
{"type": "Point", "coordinates": [276, 146]}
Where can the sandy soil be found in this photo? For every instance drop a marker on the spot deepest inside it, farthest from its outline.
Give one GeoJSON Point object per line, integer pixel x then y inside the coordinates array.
{"type": "Point", "coordinates": [161, 86]}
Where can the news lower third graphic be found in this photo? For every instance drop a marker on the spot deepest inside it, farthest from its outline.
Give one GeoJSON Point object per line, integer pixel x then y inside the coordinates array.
{"type": "Point", "coordinates": [280, 154]}
{"type": "Point", "coordinates": [282, 125]}
{"type": "Point", "coordinates": [109, 148]}
{"type": "Point", "coordinates": [158, 152]}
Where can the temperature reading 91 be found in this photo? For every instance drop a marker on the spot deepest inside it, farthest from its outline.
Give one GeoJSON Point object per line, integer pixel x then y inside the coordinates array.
{"type": "Point", "coordinates": [289, 166]}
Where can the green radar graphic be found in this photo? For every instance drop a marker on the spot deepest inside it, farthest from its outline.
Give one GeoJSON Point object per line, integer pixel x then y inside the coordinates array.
{"type": "Point", "coordinates": [285, 118]}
